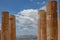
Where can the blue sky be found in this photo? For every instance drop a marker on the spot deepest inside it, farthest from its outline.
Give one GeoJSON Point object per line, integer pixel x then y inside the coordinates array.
{"type": "Point", "coordinates": [26, 12]}
{"type": "Point", "coordinates": [14, 6]}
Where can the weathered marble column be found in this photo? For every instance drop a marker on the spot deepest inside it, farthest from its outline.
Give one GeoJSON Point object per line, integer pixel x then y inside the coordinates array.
{"type": "Point", "coordinates": [42, 25]}
{"type": "Point", "coordinates": [13, 27]}
{"type": "Point", "coordinates": [52, 24]}
{"type": "Point", "coordinates": [58, 29]}
{"type": "Point", "coordinates": [5, 26]}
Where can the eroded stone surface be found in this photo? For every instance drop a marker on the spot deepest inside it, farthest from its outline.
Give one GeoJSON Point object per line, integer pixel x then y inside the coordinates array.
{"type": "Point", "coordinates": [42, 25]}
{"type": "Point", "coordinates": [52, 23]}
{"type": "Point", "coordinates": [13, 27]}
{"type": "Point", "coordinates": [58, 29]}
{"type": "Point", "coordinates": [5, 26]}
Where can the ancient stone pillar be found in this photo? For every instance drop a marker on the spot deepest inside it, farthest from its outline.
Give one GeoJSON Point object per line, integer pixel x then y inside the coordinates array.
{"type": "Point", "coordinates": [58, 29]}
{"type": "Point", "coordinates": [13, 27]}
{"type": "Point", "coordinates": [5, 26]}
{"type": "Point", "coordinates": [42, 25]}
{"type": "Point", "coordinates": [52, 24]}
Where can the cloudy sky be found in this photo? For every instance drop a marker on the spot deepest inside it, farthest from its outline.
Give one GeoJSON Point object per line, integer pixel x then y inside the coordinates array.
{"type": "Point", "coordinates": [26, 12]}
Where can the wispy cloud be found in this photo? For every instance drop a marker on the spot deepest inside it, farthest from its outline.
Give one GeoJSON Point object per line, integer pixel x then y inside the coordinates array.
{"type": "Point", "coordinates": [43, 8]}
{"type": "Point", "coordinates": [27, 22]}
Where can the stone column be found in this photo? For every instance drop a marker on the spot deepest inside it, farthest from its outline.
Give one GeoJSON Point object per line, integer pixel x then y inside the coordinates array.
{"type": "Point", "coordinates": [42, 25]}
{"type": "Point", "coordinates": [58, 29]}
{"type": "Point", "coordinates": [5, 26]}
{"type": "Point", "coordinates": [52, 24]}
{"type": "Point", "coordinates": [13, 27]}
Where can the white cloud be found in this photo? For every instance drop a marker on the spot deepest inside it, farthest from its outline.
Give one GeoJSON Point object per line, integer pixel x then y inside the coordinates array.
{"type": "Point", "coordinates": [43, 8]}
{"type": "Point", "coordinates": [27, 22]}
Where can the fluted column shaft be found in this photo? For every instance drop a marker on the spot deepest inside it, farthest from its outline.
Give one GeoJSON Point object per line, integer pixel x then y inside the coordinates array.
{"type": "Point", "coordinates": [13, 27]}
{"type": "Point", "coordinates": [52, 25]}
{"type": "Point", "coordinates": [42, 25]}
{"type": "Point", "coordinates": [5, 26]}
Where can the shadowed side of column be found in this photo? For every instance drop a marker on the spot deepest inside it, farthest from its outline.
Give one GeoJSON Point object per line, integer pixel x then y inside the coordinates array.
{"type": "Point", "coordinates": [42, 25]}
{"type": "Point", "coordinates": [13, 27]}
{"type": "Point", "coordinates": [5, 26]}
